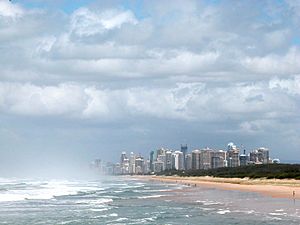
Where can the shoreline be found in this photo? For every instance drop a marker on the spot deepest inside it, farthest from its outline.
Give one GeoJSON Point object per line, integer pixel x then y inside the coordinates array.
{"type": "Point", "coordinates": [269, 187]}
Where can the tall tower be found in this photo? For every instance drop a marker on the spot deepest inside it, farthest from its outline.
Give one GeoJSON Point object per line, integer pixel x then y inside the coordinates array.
{"type": "Point", "coordinates": [123, 157]}
{"type": "Point", "coordinates": [184, 150]}
{"type": "Point", "coordinates": [151, 161]}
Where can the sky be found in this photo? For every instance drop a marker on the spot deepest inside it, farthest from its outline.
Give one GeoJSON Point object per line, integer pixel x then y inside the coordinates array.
{"type": "Point", "coordinates": [81, 80]}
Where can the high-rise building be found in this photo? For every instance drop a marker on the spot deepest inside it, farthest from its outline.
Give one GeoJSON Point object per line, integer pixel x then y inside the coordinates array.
{"type": "Point", "coordinates": [117, 168]}
{"type": "Point", "coordinates": [139, 165]}
{"type": "Point", "coordinates": [218, 159]}
{"type": "Point", "coordinates": [244, 159]}
{"type": "Point", "coordinates": [168, 161]}
{"type": "Point", "coordinates": [158, 167]}
{"type": "Point", "coordinates": [147, 166]}
{"type": "Point", "coordinates": [160, 151]}
{"type": "Point", "coordinates": [233, 159]}
{"type": "Point", "coordinates": [162, 158]}
{"type": "Point", "coordinates": [123, 157]}
{"type": "Point", "coordinates": [178, 160]}
{"type": "Point", "coordinates": [196, 159]}
{"type": "Point", "coordinates": [263, 155]}
{"type": "Point", "coordinates": [125, 166]}
{"type": "Point", "coordinates": [188, 161]}
{"type": "Point", "coordinates": [184, 149]}
{"type": "Point", "coordinates": [151, 161]}
{"type": "Point", "coordinates": [132, 163]}
{"type": "Point", "coordinates": [205, 158]}
{"type": "Point", "coordinates": [260, 156]}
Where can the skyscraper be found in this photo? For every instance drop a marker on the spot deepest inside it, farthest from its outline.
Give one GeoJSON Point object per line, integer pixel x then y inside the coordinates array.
{"type": "Point", "coordinates": [260, 155]}
{"type": "Point", "coordinates": [188, 161]}
{"type": "Point", "coordinates": [205, 158]}
{"type": "Point", "coordinates": [218, 159]}
{"type": "Point", "coordinates": [196, 159]}
{"type": "Point", "coordinates": [178, 160]}
{"type": "Point", "coordinates": [151, 161]}
{"type": "Point", "coordinates": [132, 163]}
{"type": "Point", "coordinates": [168, 160]}
{"type": "Point", "coordinates": [184, 149]}
{"type": "Point", "coordinates": [233, 158]}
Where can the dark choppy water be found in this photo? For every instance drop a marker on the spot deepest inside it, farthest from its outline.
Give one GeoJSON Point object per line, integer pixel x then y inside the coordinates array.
{"type": "Point", "coordinates": [116, 200]}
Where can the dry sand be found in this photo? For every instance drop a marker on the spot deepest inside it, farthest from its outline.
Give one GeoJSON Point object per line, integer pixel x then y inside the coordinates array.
{"type": "Point", "coordinates": [270, 187]}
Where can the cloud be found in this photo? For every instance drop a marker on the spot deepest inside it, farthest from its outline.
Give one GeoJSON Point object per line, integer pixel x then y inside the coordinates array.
{"type": "Point", "coordinates": [275, 64]}
{"type": "Point", "coordinates": [9, 10]}
{"type": "Point", "coordinates": [85, 22]}
{"type": "Point", "coordinates": [195, 68]}
{"type": "Point", "coordinates": [290, 86]}
{"type": "Point", "coordinates": [185, 101]}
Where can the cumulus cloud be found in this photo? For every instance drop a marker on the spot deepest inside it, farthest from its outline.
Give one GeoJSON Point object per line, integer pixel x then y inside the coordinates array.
{"type": "Point", "coordinates": [206, 66]}
{"type": "Point", "coordinates": [291, 86]}
{"type": "Point", "coordinates": [9, 10]}
{"type": "Point", "coordinates": [185, 101]}
{"type": "Point", "coordinates": [85, 22]}
{"type": "Point", "coordinates": [287, 64]}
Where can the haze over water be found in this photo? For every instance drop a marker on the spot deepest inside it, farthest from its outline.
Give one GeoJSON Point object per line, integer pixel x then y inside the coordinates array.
{"type": "Point", "coordinates": [117, 200]}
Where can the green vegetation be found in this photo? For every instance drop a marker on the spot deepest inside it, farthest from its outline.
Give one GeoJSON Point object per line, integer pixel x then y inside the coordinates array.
{"type": "Point", "coordinates": [269, 171]}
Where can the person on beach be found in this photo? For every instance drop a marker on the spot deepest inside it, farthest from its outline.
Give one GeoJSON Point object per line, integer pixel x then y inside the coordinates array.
{"type": "Point", "coordinates": [294, 193]}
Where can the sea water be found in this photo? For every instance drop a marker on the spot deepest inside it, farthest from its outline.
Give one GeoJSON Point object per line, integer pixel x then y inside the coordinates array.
{"type": "Point", "coordinates": [125, 200]}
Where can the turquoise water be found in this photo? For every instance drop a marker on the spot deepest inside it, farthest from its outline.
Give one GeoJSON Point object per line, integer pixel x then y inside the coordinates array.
{"type": "Point", "coordinates": [117, 200]}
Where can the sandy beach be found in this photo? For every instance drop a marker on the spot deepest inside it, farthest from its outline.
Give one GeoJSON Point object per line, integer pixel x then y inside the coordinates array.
{"type": "Point", "coordinates": [270, 187]}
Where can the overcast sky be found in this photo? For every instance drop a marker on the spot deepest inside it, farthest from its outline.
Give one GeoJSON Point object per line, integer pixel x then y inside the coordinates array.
{"type": "Point", "coordinates": [90, 79]}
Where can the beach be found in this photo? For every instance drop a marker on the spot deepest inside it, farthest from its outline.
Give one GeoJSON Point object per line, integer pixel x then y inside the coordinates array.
{"type": "Point", "coordinates": [285, 188]}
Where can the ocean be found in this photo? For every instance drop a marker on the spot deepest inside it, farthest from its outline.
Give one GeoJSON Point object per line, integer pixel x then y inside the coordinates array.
{"type": "Point", "coordinates": [120, 200]}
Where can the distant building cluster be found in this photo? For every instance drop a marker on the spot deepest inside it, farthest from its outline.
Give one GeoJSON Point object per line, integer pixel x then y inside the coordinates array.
{"type": "Point", "coordinates": [132, 164]}
{"type": "Point", "coordinates": [102, 167]}
{"type": "Point", "coordinates": [164, 159]}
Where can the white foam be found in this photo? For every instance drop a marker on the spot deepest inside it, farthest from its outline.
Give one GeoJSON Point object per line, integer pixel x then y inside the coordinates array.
{"type": "Point", "coordinates": [121, 219]}
{"type": "Point", "coordinates": [151, 196]}
{"type": "Point", "coordinates": [277, 214]}
{"type": "Point", "coordinates": [99, 210]}
{"type": "Point", "coordinates": [34, 190]}
{"type": "Point", "coordinates": [222, 212]}
{"type": "Point", "coordinates": [207, 203]}
{"type": "Point", "coordinates": [208, 209]}
{"type": "Point", "coordinates": [149, 191]}
{"type": "Point", "coordinates": [97, 202]}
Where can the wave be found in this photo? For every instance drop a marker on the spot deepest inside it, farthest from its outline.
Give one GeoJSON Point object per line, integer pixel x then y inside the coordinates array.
{"type": "Point", "coordinates": [33, 190]}
{"type": "Point", "coordinates": [149, 190]}
{"type": "Point", "coordinates": [208, 203]}
{"type": "Point", "coordinates": [96, 202]}
{"type": "Point", "coordinates": [151, 196]}
{"type": "Point", "coordinates": [222, 212]}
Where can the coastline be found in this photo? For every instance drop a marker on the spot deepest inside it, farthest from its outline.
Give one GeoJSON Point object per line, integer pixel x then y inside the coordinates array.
{"type": "Point", "coordinates": [269, 187]}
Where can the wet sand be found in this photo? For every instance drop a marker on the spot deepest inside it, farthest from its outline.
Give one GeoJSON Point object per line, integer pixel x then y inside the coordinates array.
{"type": "Point", "coordinates": [269, 187]}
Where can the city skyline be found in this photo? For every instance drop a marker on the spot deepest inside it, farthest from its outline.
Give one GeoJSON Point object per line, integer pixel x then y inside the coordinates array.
{"type": "Point", "coordinates": [84, 79]}
{"type": "Point", "coordinates": [166, 159]}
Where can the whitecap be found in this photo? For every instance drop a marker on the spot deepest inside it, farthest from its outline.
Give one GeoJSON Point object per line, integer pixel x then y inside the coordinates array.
{"type": "Point", "coordinates": [151, 196]}
{"type": "Point", "coordinates": [222, 212]}
{"type": "Point", "coordinates": [99, 210]}
{"type": "Point", "coordinates": [207, 203]}
{"type": "Point", "coordinates": [121, 219]}
{"type": "Point", "coordinates": [41, 190]}
{"type": "Point", "coordinates": [277, 214]}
